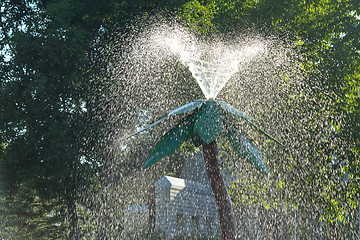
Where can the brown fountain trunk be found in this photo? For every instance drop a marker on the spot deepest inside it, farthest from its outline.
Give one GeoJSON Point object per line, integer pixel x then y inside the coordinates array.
{"type": "Point", "coordinates": [227, 220]}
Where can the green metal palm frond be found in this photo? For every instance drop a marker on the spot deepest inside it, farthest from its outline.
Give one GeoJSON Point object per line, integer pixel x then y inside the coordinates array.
{"type": "Point", "coordinates": [203, 126]}
{"type": "Point", "coordinates": [171, 141]}
{"type": "Point", "coordinates": [245, 148]}
{"type": "Point", "coordinates": [261, 131]}
{"type": "Point", "coordinates": [229, 108]}
{"type": "Point", "coordinates": [189, 107]}
{"type": "Point", "coordinates": [209, 121]}
{"type": "Point", "coordinates": [147, 127]}
{"type": "Point", "coordinates": [237, 114]}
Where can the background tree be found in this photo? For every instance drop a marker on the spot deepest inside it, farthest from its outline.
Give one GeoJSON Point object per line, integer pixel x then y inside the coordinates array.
{"type": "Point", "coordinates": [45, 47]}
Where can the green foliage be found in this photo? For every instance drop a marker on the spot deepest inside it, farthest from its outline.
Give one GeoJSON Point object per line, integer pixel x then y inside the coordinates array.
{"type": "Point", "coordinates": [42, 119]}
{"type": "Point", "coordinates": [41, 103]}
{"type": "Point", "coordinates": [30, 218]}
{"type": "Point", "coordinates": [198, 15]}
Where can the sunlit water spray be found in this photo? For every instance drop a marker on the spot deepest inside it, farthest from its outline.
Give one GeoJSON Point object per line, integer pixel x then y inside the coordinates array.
{"type": "Point", "coordinates": [212, 65]}
{"type": "Point", "coordinates": [161, 68]}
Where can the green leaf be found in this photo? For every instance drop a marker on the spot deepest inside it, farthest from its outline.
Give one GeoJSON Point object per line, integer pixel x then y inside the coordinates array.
{"type": "Point", "coordinates": [189, 107]}
{"type": "Point", "coordinates": [147, 127]}
{"type": "Point", "coordinates": [245, 148]}
{"type": "Point", "coordinates": [233, 110]}
{"type": "Point", "coordinates": [209, 121]}
{"type": "Point", "coordinates": [183, 109]}
{"type": "Point", "coordinates": [171, 141]}
{"type": "Point", "coordinates": [265, 133]}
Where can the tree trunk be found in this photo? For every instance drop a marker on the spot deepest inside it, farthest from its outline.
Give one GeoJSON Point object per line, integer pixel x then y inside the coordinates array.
{"type": "Point", "coordinates": [73, 220]}
{"type": "Point", "coordinates": [102, 227]}
{"type": "Point", "coordinates": [227, 220]}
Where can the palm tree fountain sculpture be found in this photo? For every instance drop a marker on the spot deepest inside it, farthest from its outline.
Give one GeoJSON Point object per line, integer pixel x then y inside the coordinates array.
{"type": "Point", "coordinates": [203, 121]}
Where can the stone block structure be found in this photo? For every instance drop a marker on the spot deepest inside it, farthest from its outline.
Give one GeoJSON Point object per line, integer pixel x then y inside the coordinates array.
{"type": "Point", "coordinates": [183, 207]}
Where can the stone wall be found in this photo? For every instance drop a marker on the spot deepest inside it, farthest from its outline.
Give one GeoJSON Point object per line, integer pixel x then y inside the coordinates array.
{"type": "Point", "coordinates": [184, 208]}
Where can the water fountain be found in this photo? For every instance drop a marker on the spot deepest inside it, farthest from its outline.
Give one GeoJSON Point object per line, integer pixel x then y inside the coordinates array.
{"type": "Point", "coordinates": [206, 119]}
{"type": "Point", "coordinates": [156, 73]}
